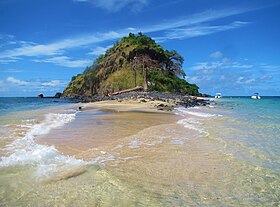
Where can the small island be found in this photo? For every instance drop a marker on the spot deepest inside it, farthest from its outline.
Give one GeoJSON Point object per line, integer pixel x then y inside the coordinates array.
{"type": "Point", "coordinates": [135, 67]}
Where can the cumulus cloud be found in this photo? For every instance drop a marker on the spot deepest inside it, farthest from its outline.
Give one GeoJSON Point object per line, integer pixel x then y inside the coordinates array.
{"type": "Point", "coordinates": [15, 81]}
{"type": "Point", "coordinates": [232, 77]}
{"type": "Point", "coordinates": [216, 55]}
{"type": "Point", "coordinates": [51, 83]}
{"type": "Point", "coordinates": [117, 5]}
{"type": "Point", "coordinates": [12, 86]}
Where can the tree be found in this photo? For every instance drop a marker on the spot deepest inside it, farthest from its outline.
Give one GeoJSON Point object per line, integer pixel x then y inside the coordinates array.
{"type": "Point", "coordinates": [173, 63]}
{"type": "Point", "coordinates": [148, 64]}
{"type": "Point", "coordinates": [134, 64]}
{"type": "Point", "coordinates": [135, 68]}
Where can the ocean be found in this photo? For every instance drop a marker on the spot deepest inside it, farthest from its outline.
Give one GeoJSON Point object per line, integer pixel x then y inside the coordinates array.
{"type": "Point", "coordinates": [224, 154]}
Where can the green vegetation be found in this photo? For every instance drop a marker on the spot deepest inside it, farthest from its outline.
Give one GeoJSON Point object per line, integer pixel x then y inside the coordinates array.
{"type": "Point", "coordinates": [160, 82]}
{"type": "Point", "coordinates": [135, 60]}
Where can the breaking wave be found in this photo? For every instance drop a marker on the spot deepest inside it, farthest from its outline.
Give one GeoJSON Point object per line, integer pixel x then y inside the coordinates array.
{"type": "Point", "coordinates": [25, 151]}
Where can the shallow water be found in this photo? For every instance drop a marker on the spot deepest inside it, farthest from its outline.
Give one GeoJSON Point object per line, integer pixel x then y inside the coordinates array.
{"type": "Point", "coordinates": [210, 156]}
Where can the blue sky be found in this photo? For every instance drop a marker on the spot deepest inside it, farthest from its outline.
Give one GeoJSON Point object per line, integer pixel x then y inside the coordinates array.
{"type": "Point", "coordinates": [231, 47]}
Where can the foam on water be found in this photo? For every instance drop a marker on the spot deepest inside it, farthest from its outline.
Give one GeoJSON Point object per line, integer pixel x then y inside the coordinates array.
{"type": "Point", "coordinates": [135, 143]}
{"type": "Point", "coordinates": [25, 150]}
{"type": "Point", "coordinates": [130, 158]}
{"type": "Point", "coordinates": [193, 125]}
{"type": "Point", "coordinates": [177, 141]}
{"type": "Point", "coordinates": [193, 118]}
{"type": "Point", "coordinates": [190, 111]}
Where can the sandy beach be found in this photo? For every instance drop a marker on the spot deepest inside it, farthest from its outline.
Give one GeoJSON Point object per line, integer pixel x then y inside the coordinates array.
{"type": "Point", "coordinates": [140, 105]}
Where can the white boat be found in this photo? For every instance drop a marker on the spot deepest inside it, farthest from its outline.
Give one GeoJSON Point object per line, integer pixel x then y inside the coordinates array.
{"type": "Point", "coordinates": [218, 95]}
{"type": "Point", "coordinates": [256, 96]}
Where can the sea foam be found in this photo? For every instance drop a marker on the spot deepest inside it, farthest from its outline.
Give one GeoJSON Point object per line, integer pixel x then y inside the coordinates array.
{"type": "Point", "coordinates": [182, 111]}
{"type": "Point", "coordinates": [193, 125]}
{"type": "Point", "coordinates": [193, 119]}
{"type": "Point", "coordinates": [25, 150]}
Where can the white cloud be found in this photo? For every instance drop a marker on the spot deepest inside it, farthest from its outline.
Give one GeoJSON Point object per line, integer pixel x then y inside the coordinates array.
{"type": "Point", "coordinates": [184, 27]}
{"type": "Point", "coordinates": [11, 86]}
{"type": "Point", "coordinates": [194, 19]}
{"type": "Point", "coordinates": [51, 83]}
{"type": "Point", "coordinates": [216, 54]}
{"type": "Point", "coordinates": [117, 5]}
{"type": "Point", "coordinates": [10, 41]}
{"type": "Point", "coordinates": [66, 62]}
{"type": "Point", "coordinates": [6, 61]}
{"type": "Point", "coordinates": [10, 70]}
{"type": "Point", "coordinates": [6, 36]}
{"type": "Point", "coordinates": [15, 81]}
{"type": "Point", "coordinates": [99, 50]}
{"type": "Point", "coordinates": [244, 80]}
{"type": "Point", "coordinates": [265, 78]}
{"type": "Point", "coordinates": [270, 68]}
{"type": "Point", "coordinates": [58, 48]}
{"type": "Point", "coordinates": [6, 39]}
{"type": "Point", "coordinates": [240, 65]}
{"type": "Point", "coordinates": [225, 63]}
{"type": "Point", "coordinates": [195, 31]}
{"type": "Point", "coordinates": [37, 50]}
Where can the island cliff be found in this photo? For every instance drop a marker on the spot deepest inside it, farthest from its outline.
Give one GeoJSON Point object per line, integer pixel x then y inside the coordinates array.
{"type": "Point", "coordinates": [134, 61]}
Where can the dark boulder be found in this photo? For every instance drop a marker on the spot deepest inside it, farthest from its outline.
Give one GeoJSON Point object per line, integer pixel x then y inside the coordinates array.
{"type": "Point", "coordinates": [40, 95]}
{"type": "Point", "coordinates": [205, 95]}
{"type": "Point", "coordinates": [58, 95]}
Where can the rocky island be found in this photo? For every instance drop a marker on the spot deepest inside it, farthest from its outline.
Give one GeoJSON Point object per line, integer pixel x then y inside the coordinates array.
{"type": "Point", "coordinates": [136, 67]}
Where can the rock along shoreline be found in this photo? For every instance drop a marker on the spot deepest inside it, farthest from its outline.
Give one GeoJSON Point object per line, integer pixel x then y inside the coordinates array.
{"type": "Point", "coordinates": [163, 101]}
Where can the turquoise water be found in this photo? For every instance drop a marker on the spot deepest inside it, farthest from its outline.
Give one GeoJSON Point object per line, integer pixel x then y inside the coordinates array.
{"type": "Point", "coordinates": [12, 104]}
{"type": "Point", "coordinates": [253, 126]}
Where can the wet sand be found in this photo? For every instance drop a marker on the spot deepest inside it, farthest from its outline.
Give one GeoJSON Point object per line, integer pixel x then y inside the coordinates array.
{"type": "Point", "coordinates": [103, 124]}
{"type": "Point", "coordinates": [127, 105]}
{"type": "Point", "coordinates": [146, 149]}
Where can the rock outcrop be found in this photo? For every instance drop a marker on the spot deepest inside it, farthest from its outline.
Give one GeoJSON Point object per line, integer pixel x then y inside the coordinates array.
{"type": "Point", "coordinates": [168, 101]}
{"type": "Point", "coordinates": [58, 95]}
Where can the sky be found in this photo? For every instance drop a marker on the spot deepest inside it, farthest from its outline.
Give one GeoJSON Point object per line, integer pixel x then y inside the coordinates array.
{"type": "Point", "coordinates": [231, 47]}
